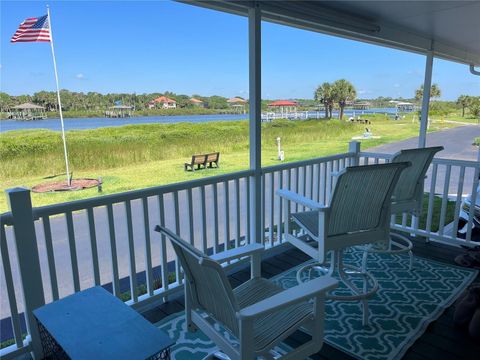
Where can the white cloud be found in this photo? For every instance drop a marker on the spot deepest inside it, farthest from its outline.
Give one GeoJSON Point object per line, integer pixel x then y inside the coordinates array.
{"type": "Point", "coordinates": [363, 92]}
{"type": "Point", "coordinates": [80, 76]}
{"type": "Point", "coordinates": [415, 73]}
{"type": "Point", "coordinates": [396, 85]}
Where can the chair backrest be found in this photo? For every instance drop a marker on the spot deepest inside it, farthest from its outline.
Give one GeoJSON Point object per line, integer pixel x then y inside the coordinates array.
{"type": "Point", "coordinates": [210, 289]}
{"type": "Point", "coordinates": [361, 199]}
{"type": "Point", "coordinates": [410, 184]}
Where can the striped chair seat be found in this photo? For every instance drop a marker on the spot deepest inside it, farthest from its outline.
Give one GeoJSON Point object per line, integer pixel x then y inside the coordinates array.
{"type": "Point", "coordinates": [268, 328]}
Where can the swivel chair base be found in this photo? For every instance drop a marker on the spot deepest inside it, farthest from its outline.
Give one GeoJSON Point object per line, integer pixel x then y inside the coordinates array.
{"type": "Point", "coordinates": [344, 272]}
{"type": "Point", "coordinates": [401, 245]}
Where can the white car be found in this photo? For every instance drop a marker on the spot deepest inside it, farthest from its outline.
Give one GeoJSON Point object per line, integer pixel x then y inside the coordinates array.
{"type": "Point", "coordinates": [465, 212]}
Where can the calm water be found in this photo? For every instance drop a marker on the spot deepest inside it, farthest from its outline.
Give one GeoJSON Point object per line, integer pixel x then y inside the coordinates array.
{"type": "Point", "coordinates": [93, 123]}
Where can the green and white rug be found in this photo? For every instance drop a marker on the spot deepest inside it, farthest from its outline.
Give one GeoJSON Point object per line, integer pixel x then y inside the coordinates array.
{"type": "Point", "coordinates": [407, 301]}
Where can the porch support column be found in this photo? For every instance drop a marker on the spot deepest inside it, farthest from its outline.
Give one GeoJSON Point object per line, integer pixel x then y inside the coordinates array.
{"type": "Point", "coordinates": [427, 84]}
{"type": "Point", "coordinates": [255, 89]}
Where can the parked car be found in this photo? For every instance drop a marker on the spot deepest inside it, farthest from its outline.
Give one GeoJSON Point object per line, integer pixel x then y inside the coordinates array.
{"type": "Point", "coordinates": [465, 213]}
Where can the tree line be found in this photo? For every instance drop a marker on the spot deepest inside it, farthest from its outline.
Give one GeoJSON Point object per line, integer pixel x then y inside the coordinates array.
{"type": "Point", "coordinates": [330, 95]}
{"type": "Point", "coordinates": [72, 100]}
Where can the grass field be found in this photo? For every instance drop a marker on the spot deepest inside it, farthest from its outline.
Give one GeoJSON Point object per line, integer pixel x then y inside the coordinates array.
{"type": "Point", "coordinates": [139, 156]}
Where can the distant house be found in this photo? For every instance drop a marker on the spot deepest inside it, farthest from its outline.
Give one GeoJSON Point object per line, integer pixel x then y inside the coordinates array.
{"type": "Point", "coordinates": [197, 102]}
{"type": "Point", "coordinates": [162, 102]}
{"type": "Point", "coordinates": [237, 104]}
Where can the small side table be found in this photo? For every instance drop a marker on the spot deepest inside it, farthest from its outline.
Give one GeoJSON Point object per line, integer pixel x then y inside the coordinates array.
{"type": "Point", "coordinates": [94, 324]}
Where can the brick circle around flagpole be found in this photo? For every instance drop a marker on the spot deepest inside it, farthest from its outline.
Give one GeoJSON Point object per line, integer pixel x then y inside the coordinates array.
{"type": "Point", "coordinates": [76, 184]}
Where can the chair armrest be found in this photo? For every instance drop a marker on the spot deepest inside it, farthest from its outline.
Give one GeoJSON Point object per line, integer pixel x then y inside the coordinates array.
{"type": "Point", "coordinates": [293, 196]}
{"type": "Point", "coordinates": [237, 253]}
{"type": "Point", "coordinates": [288, 297]}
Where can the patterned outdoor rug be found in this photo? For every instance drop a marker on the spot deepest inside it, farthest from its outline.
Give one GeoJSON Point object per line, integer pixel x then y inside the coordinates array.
{"type": "Point", "coordinates": [405, 304]}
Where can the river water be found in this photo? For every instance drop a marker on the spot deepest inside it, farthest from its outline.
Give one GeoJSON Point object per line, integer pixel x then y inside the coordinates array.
{"type": "Point", "coordinates": [94, 123]}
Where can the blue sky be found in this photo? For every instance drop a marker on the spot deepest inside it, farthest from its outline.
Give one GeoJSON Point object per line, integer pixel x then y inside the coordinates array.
{"type": "Point", "coordinates": [155, 46]}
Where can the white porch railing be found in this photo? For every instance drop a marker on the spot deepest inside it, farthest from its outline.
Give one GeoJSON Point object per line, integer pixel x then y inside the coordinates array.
{"type": "Point", "coordinates": [448, 182]}
{"type": "Point", "coordinates": [52, 251]}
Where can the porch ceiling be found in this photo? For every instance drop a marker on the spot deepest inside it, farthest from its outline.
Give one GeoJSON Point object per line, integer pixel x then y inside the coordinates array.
{"type": "Point", "coordinates": [449, 28]}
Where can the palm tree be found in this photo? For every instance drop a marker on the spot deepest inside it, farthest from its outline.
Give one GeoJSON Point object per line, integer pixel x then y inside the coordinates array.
{"type": "Point", "coordinates": [464, 101]}
{"type": "Point", "coordinates": [435, 92]}
{"type": "Point", "coordinates": [324, 94]}
{"type": "Point", "coordinates": [343, 91]}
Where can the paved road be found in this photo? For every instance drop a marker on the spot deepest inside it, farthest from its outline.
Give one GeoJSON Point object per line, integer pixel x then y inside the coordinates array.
{"type": "Point", "coordinates": [457, 144]}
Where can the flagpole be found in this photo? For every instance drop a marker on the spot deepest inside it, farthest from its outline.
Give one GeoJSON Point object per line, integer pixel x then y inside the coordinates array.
{"type": "Point", "coordinates": [58, 98]}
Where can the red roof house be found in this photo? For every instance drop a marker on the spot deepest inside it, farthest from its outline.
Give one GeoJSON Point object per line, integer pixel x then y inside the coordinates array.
{"type": "Point", "coordinates": [164, 102]}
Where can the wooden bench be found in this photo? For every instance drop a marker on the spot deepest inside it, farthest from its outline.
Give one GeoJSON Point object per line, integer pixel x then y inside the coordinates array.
{"type": "Point", "coordinates": [203, 160]}
{"type": "Point", "coordinates": [199, 160]}
{"type": "Point", "coordinates": [213, 158]}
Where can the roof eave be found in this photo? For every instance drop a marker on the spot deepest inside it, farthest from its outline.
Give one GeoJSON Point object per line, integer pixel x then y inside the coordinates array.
{"type": "Point", "coordinates": [386, 35]}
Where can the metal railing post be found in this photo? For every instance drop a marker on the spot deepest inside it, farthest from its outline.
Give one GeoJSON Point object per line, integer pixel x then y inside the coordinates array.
{"type": "Point", "coordinates": [354, 147]}
{"type": "Point", "coordinates": [255, 90]}
{"type": "Point", "coordinates": [29, 264]}
{"type": "Point", "coordinates": [427, 84]}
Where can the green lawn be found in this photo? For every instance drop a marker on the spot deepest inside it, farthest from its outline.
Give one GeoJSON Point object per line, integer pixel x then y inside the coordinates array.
{"type": "Point", "coordinates": [139, 156]}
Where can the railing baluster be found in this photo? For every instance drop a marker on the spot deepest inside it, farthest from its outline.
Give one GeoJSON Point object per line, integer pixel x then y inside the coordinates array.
{"type": "Point", "coordinates": [263, 212]}
{"type": "Point", "coordinates": [178, 272]}
{"type": "Point", "coordinates": [73, 251]}
{"type": "Point", "coordinates": [237, 213]}
{"type": "Point", "coordinates": [226, 210]}
{"type": "Point", "coordinates": [203, 223]}
{"type": "Point", "coordinates": [433, 183]}
{"type": "Point", "coordinates": [247, 204]}
{"type": "Point", "coordinates": [148, 248]}
{"type": "Point", "coordinates": [50, 256]}
{"type": "Point", "coordinates": [7, 271]}
{"type": "Point", "coordinates": [329, 181]}
{"type": "Point", "coordinates": [113, 251]}
{"type": "Point", "coordinates": [323, 184]}
{"type": "Point", "coordinates": [279, 199]}
{"type": "Point", "coordinates": [93, 244]}
{"type": "Point", "coordinates": [272, 210]}
{"type": "Point", "coordinates": [446, 186]}
{"type": "Point", "coordinates": [304, 188]}
{"type": "Point", "coordinates": [312, 180]}
{"type": "Point", "coordinates": [163, 244]}
{"type": "Point", "coordinates": [215, 219]}
{"type": "Point", "coordinates": [190, 216]}
{"type": "Point", "coordinates": [131, 252]}
{"type": "Point", "coordinates": [458, 202]}
{"type": "Point", "coordinates": [297, 186]}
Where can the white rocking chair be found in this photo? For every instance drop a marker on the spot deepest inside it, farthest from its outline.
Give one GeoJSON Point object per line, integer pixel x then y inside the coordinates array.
{"type": "Point", "coordinates": [258, 313]}
{"type": "Point", "coordinates": [358, 214]}
{"type": "Point", "coordinates": [407, 198]}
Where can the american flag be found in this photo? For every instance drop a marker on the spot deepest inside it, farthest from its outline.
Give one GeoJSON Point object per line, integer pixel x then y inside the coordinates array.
{"type": "Point", "coordinates": [33, 30]}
